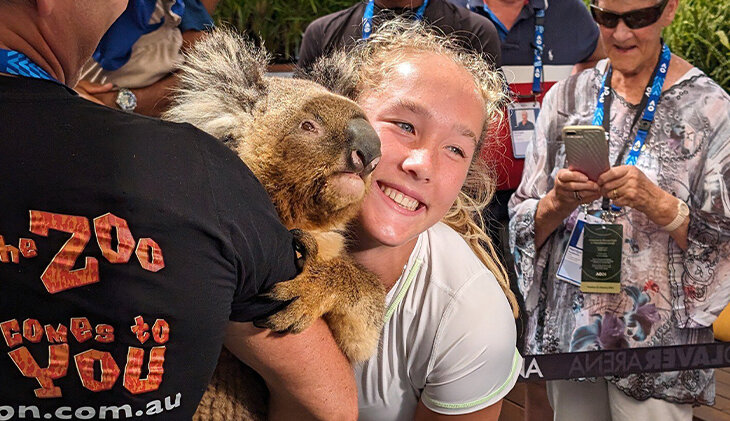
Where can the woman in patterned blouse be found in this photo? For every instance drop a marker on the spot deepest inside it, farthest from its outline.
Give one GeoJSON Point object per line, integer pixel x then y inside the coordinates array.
{"type": "Point", "coordinates": [675, 268]}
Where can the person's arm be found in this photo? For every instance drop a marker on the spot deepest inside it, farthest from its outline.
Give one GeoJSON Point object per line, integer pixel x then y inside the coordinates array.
{"type": "Point", "coordinates": [307, 376]}
{"type": "Point", "coordinates": [210, 5]}
{"type": "Point", "coordinates": [490, 413]}
{"type": "Point", "coordinates": [587, 42]}
{"type": "Point", "coordinates": [598, 54]}
{"type": "Point", "coordinates": [628, 186]}
{"type": "Point", "coordinates": [538, 179]}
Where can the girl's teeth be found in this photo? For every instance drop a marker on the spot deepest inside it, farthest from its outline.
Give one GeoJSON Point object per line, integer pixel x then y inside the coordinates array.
{"type": "Point", "coordinates": [400, 198]}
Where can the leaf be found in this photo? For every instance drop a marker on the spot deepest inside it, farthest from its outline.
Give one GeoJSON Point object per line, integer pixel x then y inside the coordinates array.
{"type": "Point", "coordinates": [723, 38]}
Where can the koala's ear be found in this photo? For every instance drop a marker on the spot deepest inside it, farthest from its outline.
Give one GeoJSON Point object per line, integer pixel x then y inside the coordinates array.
{"type": "Point", "coordinates": [221, 80]}
{"type": "Point", "coordinates": [336, 72]}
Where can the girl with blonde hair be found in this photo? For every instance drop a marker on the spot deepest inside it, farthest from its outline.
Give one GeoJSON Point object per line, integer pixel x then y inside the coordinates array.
{"type": "Point", "coordinates": [448, 344]}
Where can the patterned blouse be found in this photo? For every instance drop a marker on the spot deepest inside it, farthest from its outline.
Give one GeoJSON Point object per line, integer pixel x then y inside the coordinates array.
{"type": "Point", "coordinates": [668, 296]}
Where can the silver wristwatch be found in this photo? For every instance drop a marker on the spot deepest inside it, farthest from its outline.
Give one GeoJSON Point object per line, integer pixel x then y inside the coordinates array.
{"type": "Point", "coordinates": [682, 214]}
{"type": "Point", "coordinates": [126, 100]}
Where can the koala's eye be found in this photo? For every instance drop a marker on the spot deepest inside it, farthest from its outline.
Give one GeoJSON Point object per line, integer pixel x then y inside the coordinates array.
{"type": "Point", "coordinates": [308, 126]}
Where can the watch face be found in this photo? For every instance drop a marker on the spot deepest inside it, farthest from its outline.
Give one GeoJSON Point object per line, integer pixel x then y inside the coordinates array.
{"type": "Point", "coordinates": [683, 208]}
{"type": "Point", "coordinates": [126, 100]}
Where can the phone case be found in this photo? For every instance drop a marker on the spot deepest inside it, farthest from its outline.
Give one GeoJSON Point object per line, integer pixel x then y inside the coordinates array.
{"type": "Point", "coordinates": [586, 149]}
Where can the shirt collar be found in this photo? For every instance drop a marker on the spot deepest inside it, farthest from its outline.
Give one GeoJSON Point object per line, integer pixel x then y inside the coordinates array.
{"type": "Point", "coordinates": [528, 11]}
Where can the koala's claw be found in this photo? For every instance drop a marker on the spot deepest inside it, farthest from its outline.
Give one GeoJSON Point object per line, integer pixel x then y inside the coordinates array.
{"type": "Point", "coordinates": [296, 316]}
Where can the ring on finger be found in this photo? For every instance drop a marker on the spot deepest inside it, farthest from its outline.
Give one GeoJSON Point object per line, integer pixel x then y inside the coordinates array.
{"type": "Point", "coordinates": [578, 197]}
{"type": "Point", "coordinates": [614, 193]}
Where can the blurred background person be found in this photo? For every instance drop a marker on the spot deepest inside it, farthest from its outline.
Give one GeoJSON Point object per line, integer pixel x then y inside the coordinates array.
{"type": "Point", "coordinates": [346, 27]}
{"type": "Point", "coordinates": [133, 67]}
{"type": "Point", "coordinates": [668, 134]}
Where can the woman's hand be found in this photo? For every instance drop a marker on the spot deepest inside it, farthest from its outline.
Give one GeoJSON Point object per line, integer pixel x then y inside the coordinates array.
{"type": "Point", "coordinates": [629, 186]}
{"type": "Point", "coordinates": [95, 92]}
{"type": "Point", "coordinates": [572, 188]}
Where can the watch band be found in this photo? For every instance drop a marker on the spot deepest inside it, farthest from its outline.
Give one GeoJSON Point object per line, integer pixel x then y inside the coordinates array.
{"type": "Point", "coordinates": [682, 214]}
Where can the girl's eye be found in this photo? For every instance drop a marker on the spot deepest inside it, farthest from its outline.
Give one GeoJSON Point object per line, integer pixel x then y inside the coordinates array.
{"type": "Point", "coordinates": [456, 150]}
{"type": "Point", "coordinates": [406, 127]}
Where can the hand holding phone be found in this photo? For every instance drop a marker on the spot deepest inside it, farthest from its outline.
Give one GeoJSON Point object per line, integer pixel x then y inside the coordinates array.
{"type": "Point", "coordinates": [586, 150]}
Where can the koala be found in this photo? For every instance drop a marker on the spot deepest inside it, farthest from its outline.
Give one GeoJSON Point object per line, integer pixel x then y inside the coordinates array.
{"type": "Point", "coordinates": [313, 151]}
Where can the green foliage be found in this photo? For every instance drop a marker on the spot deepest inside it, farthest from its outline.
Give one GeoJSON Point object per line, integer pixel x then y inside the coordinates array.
{"type": "Point", "coordinates": [280, 23]}
{"type": "Point", "coordinates": [700, 33]}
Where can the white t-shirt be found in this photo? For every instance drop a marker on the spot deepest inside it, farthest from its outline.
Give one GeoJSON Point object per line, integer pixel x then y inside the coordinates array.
{"type": "Point", "coordinates": [448, 339]}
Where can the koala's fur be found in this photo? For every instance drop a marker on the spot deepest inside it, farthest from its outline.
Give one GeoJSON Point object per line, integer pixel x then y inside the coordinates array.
{"type": "Point", "coordinates": [293, 134]}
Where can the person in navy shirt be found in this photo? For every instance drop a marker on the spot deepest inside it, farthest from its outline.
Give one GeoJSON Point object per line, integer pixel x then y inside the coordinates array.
{"type": "Point", "coordinates": [515, 23]}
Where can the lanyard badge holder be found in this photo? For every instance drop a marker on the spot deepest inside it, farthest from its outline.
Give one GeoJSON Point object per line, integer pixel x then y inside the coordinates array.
{"type": "Point", "coordinates": [597, 243]}
{"type": "Point", "coordinates": [523, 112]}
{"type": "Point", "coordinates": [367, 19]}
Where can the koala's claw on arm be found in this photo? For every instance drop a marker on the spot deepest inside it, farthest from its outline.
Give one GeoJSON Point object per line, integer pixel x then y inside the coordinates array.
{"type": "Point", "coordinates": [302, 310]}
{"type": "Point", "coordinates": [352, 303]}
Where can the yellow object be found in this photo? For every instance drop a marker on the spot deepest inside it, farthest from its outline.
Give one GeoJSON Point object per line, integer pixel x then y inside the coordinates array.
{"type": "Point", "coordinates": [721, 327]}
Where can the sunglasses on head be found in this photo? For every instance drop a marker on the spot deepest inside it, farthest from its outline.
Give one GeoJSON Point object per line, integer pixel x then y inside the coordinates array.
{"type": "Point", "coordinates": [634, 19]}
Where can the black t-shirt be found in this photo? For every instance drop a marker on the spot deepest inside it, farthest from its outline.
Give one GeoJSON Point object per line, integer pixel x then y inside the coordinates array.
{"type": "Point", "coordinates": [127, 244]}
{"type": "Point", "coordinates": [344, 29]}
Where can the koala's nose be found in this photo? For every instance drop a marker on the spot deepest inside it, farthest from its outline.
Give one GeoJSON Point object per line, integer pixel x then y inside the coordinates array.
{"type": "Point", "coordinates": [364, 145]}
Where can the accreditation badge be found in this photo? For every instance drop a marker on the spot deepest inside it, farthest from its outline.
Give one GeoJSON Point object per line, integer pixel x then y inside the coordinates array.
{"type": "Point", "coordinates": [601, 265]}
{"type": "Point", "coordinates": [569, 269]}
{"type": "Point", "coordinates": [522, 122]}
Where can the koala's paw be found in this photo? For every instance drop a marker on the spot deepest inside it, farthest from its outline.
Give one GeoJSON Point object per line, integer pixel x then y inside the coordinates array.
{"type": "Point", "coordinates": [299, 314]}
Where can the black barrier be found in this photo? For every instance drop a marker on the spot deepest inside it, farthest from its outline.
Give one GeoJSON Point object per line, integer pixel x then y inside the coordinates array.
{"type": "Point", "coordinates": [620, 362]}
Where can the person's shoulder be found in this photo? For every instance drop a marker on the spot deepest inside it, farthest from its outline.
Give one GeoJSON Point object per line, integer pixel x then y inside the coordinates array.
{"type": "Point", "coordinates": [167, 140]}
{"type": "Point", "coordinates": [695, 94]}
{"type": "Point", "coordinates": [126, 121]}
{"type": "Point", "coordinates": [577, 85]}
{"type": "Point", "coordinates": [573, 7]}
{"type": "Point", "coordinates": [683, 74]}
{"type": "Point", "coordinates": [463, 19]}
{"type": "Point", "coordinates": [333, 20]}
{"type": "Point", "coordinates": [452, 262]}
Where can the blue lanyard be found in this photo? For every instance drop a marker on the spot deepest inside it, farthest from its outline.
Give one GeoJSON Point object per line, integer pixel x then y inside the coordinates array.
{"type": "Point", "coordinates": [539, 41]}
{"type": "Point", "coordinates": [18, 64]}
{"type": "Point", "coordinates": [367, 19]}
{"type": "Point", "coordinates": [537, 59]}
{"type": "Point", "coordinates": [647, 117]}
{"type": "Point", "coordinates": [650, 100]}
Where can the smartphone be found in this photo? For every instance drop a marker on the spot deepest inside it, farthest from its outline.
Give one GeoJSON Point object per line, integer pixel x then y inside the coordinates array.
{"type": "Point", "coordinates": [586, 149]}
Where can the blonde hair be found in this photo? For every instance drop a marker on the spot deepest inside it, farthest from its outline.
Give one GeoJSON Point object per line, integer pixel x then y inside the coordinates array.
{"type": "Point", "coordinates": [365, 67]}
